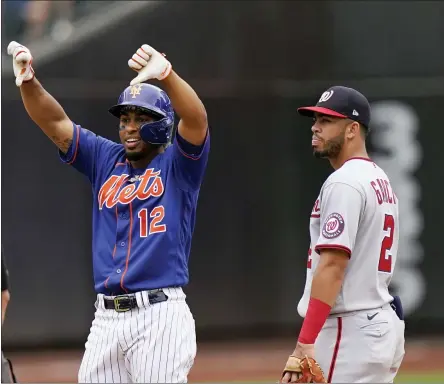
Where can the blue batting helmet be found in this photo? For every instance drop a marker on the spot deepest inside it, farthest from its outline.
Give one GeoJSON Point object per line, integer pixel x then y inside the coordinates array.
{"type": "Point", "coordinates": [155, 102]}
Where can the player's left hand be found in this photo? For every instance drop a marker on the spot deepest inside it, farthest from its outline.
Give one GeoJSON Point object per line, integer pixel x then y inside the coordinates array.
{"type": "Point", "coordinates": [21, 62]}
{"type": "Point", "coordinates": [301, 366]}
{"type": "Point", "coordinates": [150, 64]}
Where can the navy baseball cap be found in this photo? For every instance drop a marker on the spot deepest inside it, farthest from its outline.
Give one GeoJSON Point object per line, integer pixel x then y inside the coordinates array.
{"type": "Point", "coordinates": [342, 102]}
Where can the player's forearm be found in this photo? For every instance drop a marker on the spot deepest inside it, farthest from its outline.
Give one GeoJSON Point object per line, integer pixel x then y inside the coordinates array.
{"type": "Point", "coordinates": [5, 300]}
{"type": "Point", "coordinates": [40, 105]}
{"type": "Point", "coordinates": [327, 282]}
{"type": "Point", "coordinates": [185, 101]}
{"type": "Point", "coordinates": [47, 113]}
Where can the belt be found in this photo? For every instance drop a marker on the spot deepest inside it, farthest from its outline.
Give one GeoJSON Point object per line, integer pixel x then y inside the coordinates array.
{"type": "Point", "coordinates": [123, 303]}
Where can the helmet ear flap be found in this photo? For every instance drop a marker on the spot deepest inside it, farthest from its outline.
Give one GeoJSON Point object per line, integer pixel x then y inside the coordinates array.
{"type": "Point", "coordinates": [157, 132]}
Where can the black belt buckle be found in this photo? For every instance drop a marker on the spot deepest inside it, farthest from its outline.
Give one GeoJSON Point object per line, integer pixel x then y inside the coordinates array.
{"type": "Point", "coordinates": [157, 296]}
{"type": "Point", "coordinates": [123, 303]}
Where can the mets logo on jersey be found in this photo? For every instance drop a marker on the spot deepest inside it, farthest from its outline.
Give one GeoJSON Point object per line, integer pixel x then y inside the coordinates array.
{"type": "Point", "coordinates": [333, 226]}
{"type": "Point", "coordinates": [111, 192]}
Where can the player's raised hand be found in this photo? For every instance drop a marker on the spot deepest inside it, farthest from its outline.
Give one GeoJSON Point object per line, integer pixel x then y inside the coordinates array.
{"type": "Point", "coordinates": [21, 62]}
{"type": "Point", "coordinates": [150, 64]}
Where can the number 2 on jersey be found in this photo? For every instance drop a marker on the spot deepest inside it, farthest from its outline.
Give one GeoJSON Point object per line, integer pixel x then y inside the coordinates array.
{"type": "Point", "coordinates": [385, 258]}
{"type": "Point", "coordinates": [157, 215]}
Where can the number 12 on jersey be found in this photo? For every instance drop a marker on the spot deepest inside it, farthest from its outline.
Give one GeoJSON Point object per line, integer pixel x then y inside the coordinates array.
{"type": "Point", "coordinates": [156, 215]}
{"type": "Point", "coordinates": [385, 257]}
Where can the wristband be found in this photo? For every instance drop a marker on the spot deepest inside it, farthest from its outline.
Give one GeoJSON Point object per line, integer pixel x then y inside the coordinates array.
{"type": "Point", "coordinates": [315, 318]}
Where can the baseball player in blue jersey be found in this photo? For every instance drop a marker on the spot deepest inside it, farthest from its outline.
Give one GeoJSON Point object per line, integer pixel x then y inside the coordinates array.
{"type": "Point", "coordinates": [145, 193]}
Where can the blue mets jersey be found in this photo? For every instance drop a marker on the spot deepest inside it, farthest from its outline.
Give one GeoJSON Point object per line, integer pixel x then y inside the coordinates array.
{"type": "Point", "coordinates": [143, 219]}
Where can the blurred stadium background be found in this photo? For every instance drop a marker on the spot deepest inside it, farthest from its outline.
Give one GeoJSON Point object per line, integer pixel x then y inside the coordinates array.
{"type": "Point", "coordinates": [253, 63]}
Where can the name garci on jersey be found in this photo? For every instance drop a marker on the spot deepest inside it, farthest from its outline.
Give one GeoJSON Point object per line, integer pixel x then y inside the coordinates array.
{"type": "Point", "coordinates": [383, 191]}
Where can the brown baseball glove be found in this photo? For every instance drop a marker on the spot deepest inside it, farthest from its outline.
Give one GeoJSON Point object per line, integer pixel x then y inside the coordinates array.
{"type": "Point", "coordinates": [306, 368]}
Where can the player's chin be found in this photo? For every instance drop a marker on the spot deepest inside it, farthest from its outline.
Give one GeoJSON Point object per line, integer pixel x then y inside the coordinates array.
{"type": "Point", "coordinates": [134, 155]}
{"type": "Point", "coordinates": [319, 154]}
{"type": "Point", "coordinates": [316, 149]}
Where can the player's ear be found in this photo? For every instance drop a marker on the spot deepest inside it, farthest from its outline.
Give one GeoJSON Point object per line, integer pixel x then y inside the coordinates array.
{"type": "Point", "coordinates": [353, 129]}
